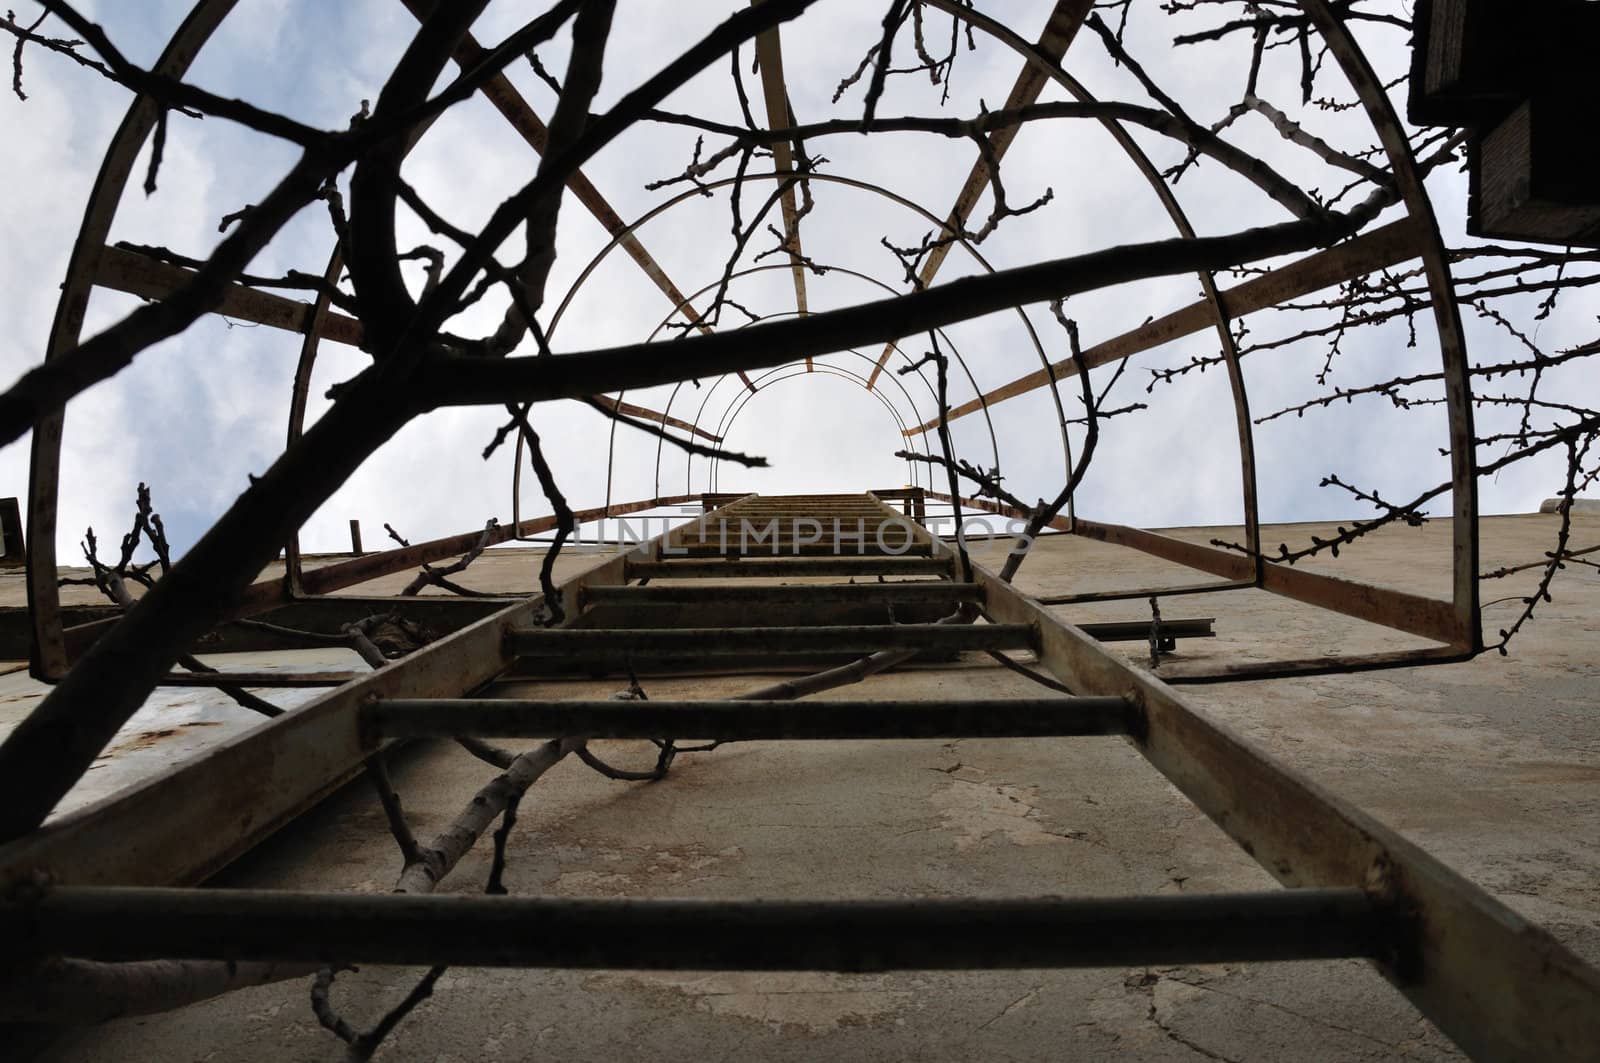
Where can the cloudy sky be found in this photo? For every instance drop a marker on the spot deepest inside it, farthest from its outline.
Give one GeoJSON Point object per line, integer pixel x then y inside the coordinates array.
{"type": "Point", "coordinates": [197, 414]}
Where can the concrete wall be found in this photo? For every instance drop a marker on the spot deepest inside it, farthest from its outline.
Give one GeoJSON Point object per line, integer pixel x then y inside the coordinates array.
{"type": "Point", "coordinates": [1492, 765]}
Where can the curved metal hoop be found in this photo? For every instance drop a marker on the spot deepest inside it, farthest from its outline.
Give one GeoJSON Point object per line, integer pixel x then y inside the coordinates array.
{"type": "Point", "coordinates": [722, 424]}
{"type": "Point", "coordinates": [866, 186]}
{"type": "Point", "coordinates": [1468, 635]}
{"type": "Point", "coordinates": [944, 337]}
{"type": "Point", "coordinates": [741, 399]}
{"type": "Point", "coordinates": [672, 397]}
{"type": "Point", "coordinates": [1446, 316]}
{"type": "Point", "coordinates": [49, 660]}
{"type": "Point", "coordinates": [767, 380]}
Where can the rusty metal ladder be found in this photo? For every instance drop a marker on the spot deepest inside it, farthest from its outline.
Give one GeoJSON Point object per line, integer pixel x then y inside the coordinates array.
{"type": "Point", "coordinates": [702, 620]}
{"type": "Point", "coordinates": [1497, 985]}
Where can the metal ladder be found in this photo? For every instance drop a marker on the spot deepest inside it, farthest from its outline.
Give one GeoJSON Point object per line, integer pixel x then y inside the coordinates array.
{"type": "Point", "coordinates": [1500, 987]}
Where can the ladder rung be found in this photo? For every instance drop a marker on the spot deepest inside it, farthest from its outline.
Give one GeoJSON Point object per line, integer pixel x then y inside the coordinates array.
{"type": "Point", "coordinates": [847, 518]}
{"type": "Point", "coordinates": [746, 720]}
{"type": "Point", "coordinates": [806, 524]}
{"type": "Point", "coordinates": [1138, 630]}
{"type": "Point", "coordinates": [792, 594]}
{"type": "Point", "coordinates": [786, 567]}
{"type": "Point", "coordinates": [618, 643]}
{"type": "Point", "coordinates": [757, 524]}
{"type": "Point", "coordinates": [786, 548]}
{"type": "Point", "coordinates": [136, 923]}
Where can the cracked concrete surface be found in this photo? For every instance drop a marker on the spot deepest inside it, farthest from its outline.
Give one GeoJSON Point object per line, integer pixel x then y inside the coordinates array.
{"type": "Point", "coordinates": [1491, 765]}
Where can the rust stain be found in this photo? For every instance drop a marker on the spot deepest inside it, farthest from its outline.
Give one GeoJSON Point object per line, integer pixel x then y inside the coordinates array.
{"type": "Point", "coordinates": [150, 739]}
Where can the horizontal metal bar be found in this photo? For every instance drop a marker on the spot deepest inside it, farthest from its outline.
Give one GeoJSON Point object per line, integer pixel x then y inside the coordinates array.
{"type": "Point", "coordinates": [747, 720]}
{"type": "Point", "coordinates": [801, 501]}
{"type": "Point", "coordinates": [891, 548]}
{"type": "Point", "coordinates": [826, 513]}
{"type": "Point", "coordinates": [757, 535]}
{"type": "Point", "coordinates": [668, 615]}
{"type": "Point", "coordinates": [771, 505]}
{"type": "Point", "coordinates": [111, 923]}
{"type": "Point", "coordinates": [786, 523]}
{"type": "Point", "coordinates": [792, 594]}
{"type": "Point", "coordinates": [1136, 630]}
{"type": "Point", "coordinates": [748, 568]}
{"type": "Point", "coordinates": [729, 641]}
